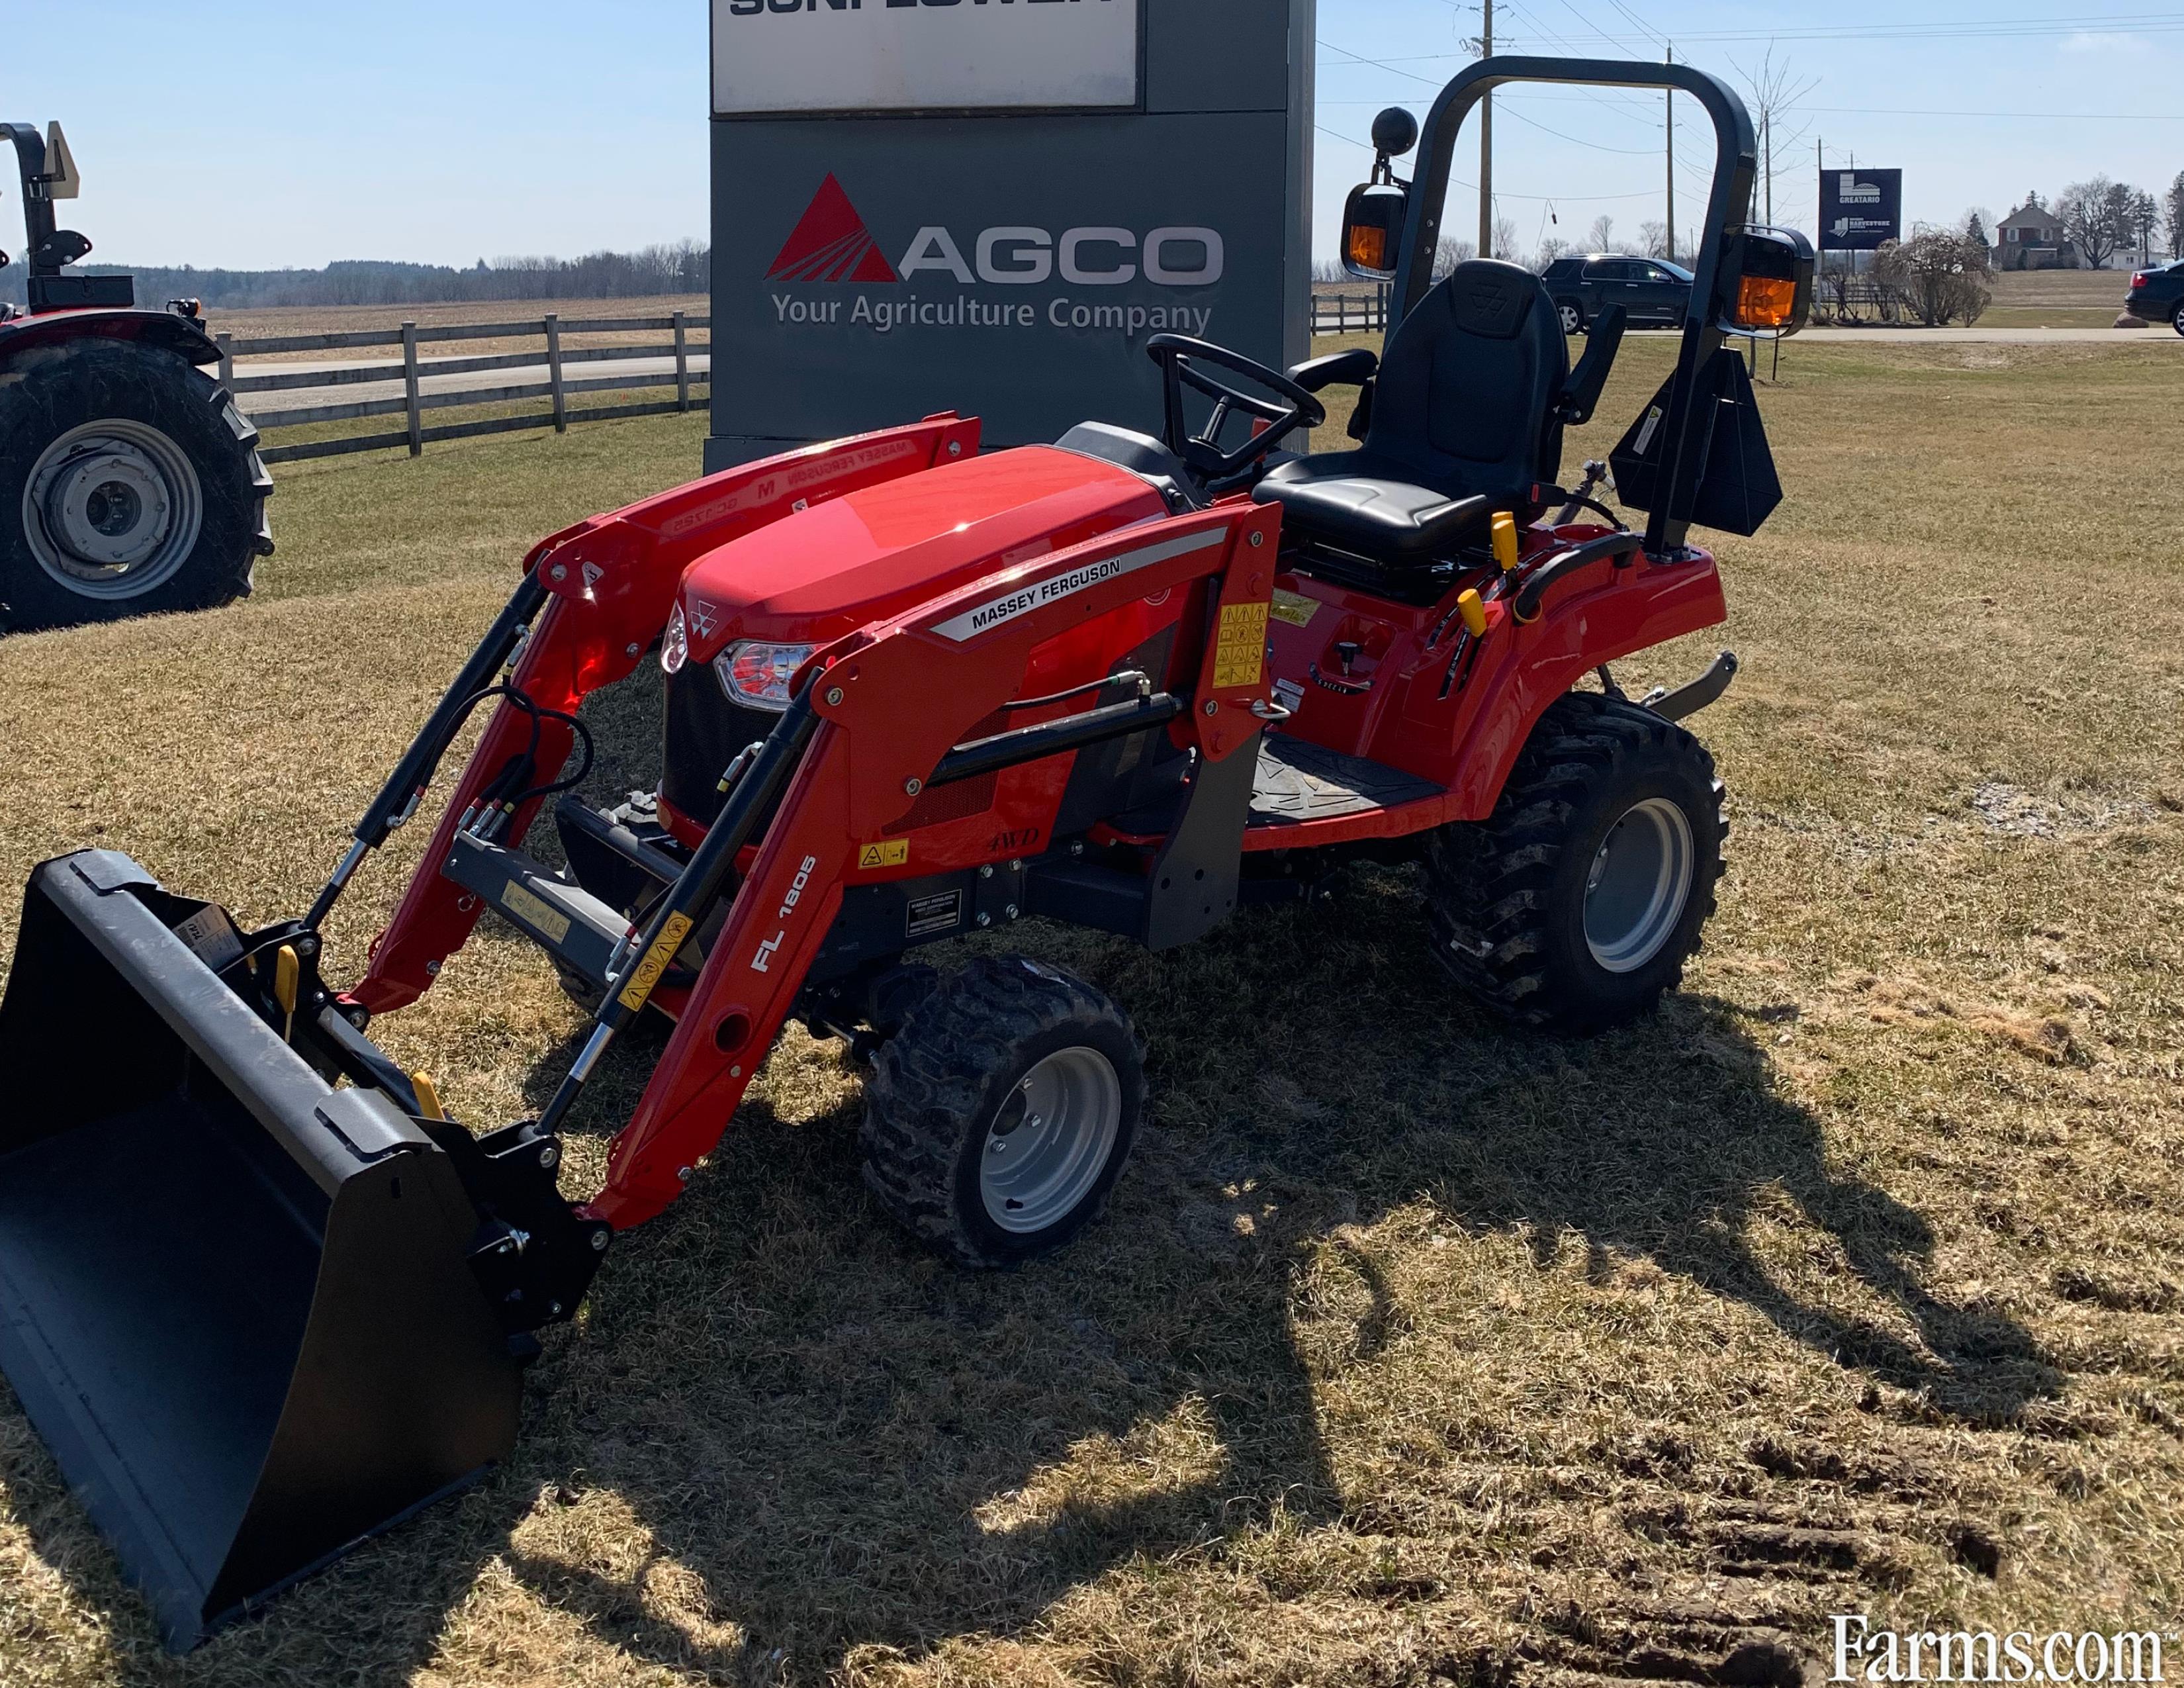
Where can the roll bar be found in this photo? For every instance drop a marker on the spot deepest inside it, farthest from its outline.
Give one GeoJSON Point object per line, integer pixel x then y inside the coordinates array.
{"type": "Point", "coordinates": [38, 225]}
{"type": "Point", "coordinates": [1713, 291]}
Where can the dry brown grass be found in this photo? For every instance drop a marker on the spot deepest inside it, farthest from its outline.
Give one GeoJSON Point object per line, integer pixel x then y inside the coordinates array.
{"type": "Point", "coordinates": [1413, 1349]}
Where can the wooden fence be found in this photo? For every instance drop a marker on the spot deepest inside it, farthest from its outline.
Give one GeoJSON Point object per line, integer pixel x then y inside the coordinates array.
{"type": "Point", "coordinates": [413, 402]}
{"type": "Point", "coordinates": [1350, 313]}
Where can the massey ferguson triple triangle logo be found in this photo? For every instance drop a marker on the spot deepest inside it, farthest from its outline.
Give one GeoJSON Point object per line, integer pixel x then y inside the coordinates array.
{"type": "Point", "coordinates": [831, 243]}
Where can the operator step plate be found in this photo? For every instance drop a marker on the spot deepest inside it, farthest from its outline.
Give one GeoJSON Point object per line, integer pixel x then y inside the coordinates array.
{"type": "Point", "coordinates": [1298, 781]}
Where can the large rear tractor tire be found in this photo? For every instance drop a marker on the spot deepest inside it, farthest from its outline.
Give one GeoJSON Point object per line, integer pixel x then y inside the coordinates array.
{"type": "Point", "coordinates": [130, 485]}
{"type": "Point", "coordinates": [1576, 903]}
{"type": "Point", "coordinates": [998, 1119]}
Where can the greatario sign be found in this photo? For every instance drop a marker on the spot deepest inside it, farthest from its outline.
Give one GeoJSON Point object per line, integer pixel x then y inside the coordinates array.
{"type": "Point", "coordinates": [989, 205]}
{"type": "Point", "coordinates": [1860, 209]}
{"type": "Point", "coordinates": [771, 56]}
{"type": "Point", "coordinates": [832, 246]}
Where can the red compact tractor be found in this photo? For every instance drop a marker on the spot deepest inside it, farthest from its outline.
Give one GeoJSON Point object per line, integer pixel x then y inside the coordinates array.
{"type": "Point", "coordinates": [129, 484]}
{"type": "Point", "coordinates": [262, 1295]}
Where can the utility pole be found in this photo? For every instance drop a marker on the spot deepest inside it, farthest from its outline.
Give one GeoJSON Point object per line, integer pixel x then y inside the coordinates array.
{"type": "Point", "coordinates": [1486, 140]}
{"type": "Point", "coordinates": [1671, 97]}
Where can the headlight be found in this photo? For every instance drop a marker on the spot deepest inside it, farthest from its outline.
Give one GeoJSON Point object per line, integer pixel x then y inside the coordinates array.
{"type": "Point", "coordinates": [675, 644]}
{"type": "Point", "coordinates": [759, 674]}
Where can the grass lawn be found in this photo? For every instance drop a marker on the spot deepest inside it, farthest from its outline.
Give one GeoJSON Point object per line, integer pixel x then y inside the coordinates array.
{"type": "Point", "coordinates": [1412, 1350]}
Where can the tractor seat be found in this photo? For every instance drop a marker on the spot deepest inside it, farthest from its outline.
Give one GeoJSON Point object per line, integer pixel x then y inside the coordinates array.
{"type": "Point", "coordinates": [1466, 418]}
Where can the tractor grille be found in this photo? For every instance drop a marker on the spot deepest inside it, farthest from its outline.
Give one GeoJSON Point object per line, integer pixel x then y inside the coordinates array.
{"type": "Point", "coordinates": [703, 733]}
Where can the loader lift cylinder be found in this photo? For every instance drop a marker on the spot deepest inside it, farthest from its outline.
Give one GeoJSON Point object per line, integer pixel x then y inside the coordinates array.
{"type": "Point", "coordinates": [399, 797]}
{"type": "Point", "coordinates": [692, 896]}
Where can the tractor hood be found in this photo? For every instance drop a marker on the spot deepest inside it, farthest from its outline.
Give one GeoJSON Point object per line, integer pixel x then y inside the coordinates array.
{"type": "Point", "coordinates": [822, 573]}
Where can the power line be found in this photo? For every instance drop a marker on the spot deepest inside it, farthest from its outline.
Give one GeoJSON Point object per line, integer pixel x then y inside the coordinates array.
{"type": "Point", "coordinates": [1985, 29]}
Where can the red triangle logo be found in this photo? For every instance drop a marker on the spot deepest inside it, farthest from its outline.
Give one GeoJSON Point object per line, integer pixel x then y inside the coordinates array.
{"type": "Point", "coordinates": [831, 243]}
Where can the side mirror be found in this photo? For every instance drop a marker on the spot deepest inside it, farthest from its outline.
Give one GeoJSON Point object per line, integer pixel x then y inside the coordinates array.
{"type": "Point", "coordinates": [1373, 230]}
{"type": "Point", "coordinates": [62, 179]}
{"type": "Point", "coordinates": [1775, 283]}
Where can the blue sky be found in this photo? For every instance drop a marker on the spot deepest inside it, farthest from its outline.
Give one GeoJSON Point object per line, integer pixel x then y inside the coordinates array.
{"type": "Point", "coordinates": [258, 134]}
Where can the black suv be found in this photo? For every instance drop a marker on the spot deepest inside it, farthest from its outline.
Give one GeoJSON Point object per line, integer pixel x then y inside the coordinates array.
{"type": "Point", "coordinates": [1652, 290]}
{"type": "Point", "coordinates": [2158, 295]}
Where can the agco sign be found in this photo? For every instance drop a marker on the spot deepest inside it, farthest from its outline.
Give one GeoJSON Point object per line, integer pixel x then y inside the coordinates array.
{"type": "Point", "coordinates": [831, 244]}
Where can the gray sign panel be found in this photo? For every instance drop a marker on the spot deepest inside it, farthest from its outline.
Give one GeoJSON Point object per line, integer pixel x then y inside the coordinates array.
{"type": "Point", "coordinates": [870, 270]}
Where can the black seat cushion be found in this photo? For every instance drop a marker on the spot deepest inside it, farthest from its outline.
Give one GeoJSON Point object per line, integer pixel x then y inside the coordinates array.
{"type": "Point", "coordinates": [1352, 499]}
{"type": "Point", "coordinates": [1463, 410]}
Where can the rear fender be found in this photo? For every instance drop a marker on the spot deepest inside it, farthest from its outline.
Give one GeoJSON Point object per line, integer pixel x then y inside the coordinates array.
{"type": "Point", "coordinates": [612, 581]}
{"type": "Point", "coordinates": [1603, 615]}
{"type": "Point", "coordinates": [160, 328]}
{"type": "Point", "coordinates": [893, 700]}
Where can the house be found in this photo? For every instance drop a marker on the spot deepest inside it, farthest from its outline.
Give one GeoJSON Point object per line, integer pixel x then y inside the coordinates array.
{"type": "Point", "coordinates": [2032, 238]}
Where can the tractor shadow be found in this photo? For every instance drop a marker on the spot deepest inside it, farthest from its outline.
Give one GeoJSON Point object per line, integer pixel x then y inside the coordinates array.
{"type": "Point", "coordinates": [831, 1442]}
{"type": "Point", "coordinates": [783, 1437]}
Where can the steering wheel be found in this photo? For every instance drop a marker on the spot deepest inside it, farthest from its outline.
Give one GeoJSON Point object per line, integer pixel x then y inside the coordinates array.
{"type": "Point", "coordinates": [1179, 356]}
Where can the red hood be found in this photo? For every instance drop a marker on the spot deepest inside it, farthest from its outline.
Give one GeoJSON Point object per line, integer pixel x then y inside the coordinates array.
{"type": "Point", "coordinates": [821, 573]}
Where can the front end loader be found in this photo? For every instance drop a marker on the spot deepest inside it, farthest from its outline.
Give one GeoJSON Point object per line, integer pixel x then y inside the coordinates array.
{"type": "Point", "coordinates": [264, 1295]}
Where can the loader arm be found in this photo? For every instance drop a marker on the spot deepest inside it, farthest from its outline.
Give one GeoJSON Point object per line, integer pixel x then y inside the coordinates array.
{"type": "Point", "coordinates": [609, 583]}
{"type": "Point", "coordinates": [893, 701]}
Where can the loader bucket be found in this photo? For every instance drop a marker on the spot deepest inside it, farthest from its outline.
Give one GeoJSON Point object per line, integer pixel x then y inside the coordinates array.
{"type": "Point", "coordinates": [235, 1301]}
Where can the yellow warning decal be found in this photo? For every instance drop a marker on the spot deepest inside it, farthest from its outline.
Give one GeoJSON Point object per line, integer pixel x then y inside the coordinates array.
{"type": "Point", "coordinates": [534, 911]}
{"type": "Point", "coordinates": [639, 989]}
{"type": "Point", "coordinates": [1240, 653]}
{"type": "Point", "coordinates": [893, 854]}
{"type": "Point", "coordinates": [1294, 608]}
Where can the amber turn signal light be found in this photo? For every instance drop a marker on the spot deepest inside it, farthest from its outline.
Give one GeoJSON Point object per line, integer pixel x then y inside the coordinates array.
{"type": "Point", "coordinates": [1766, 301]}
{"type": "Point", "coordinates": [1368, 248]}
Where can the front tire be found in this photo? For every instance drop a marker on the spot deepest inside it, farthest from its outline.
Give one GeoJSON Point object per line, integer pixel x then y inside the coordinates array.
{"type": "Point", "coordinates": [130, 485]}
{"type": "Point", "coordinates": [1577, 903]}
{"type": "Point", "coordinates": [999, 1116]}
{"type": "Point", "coordinates": [2176, 317]}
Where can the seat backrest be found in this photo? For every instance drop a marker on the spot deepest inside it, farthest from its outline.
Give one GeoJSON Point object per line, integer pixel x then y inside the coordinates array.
{"type": "Point", "coordinates": [1466, 398]}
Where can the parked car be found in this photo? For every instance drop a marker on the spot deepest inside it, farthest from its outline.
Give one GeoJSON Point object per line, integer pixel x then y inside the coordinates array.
{"type": "Point", "coordinates": [2158, 295]}
{"type": "Point", "coordinates": [1652, 290]}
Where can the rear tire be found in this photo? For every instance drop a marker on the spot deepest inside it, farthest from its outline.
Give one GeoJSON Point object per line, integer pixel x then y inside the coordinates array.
{"type": "Point", "coordinates": [1576, 903]}
{"type": "Point", "coordinates": [130, 485]}
{"type": "Point", "coordinates": [2176, 317]}
{"type": "Point", "coordinates": [998, 1119]}
{"type": "Point", "coordinates": [1572, 314]}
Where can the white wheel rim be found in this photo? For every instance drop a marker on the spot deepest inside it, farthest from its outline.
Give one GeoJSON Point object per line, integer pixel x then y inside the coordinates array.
{"type": "Point", "coordinates": [1048, 1143]}
{"type": "Point", "coordinates": [1639, 885]}
{"type": "Point", "coordinates": [1569, 319]}
{"type": "Point", "coordinates": [112, 510]}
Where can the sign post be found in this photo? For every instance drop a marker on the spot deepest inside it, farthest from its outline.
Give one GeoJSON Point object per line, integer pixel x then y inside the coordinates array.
{"type": "Point", "coordinates": [922, 205]}
{"type": "Point", "coordinates": [1860, 209]}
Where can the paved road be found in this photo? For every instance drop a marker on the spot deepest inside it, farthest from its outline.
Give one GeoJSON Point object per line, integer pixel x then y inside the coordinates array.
{"type": "Point", "coordinates": [2001, 337]}
{"type": "Point", "coordinates": [304, 398]}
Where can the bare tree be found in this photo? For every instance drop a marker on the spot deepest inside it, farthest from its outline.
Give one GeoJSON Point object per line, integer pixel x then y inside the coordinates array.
{"type": "Point", "coordinates": [1601, 237]}
{"type": "Point", "coordinates": [1940, 274]}
{"type": "Point", "coordinates": [1505, 238]}
{"type": "Point", "coordinates": [1551, 249]}
{"type": "Point", "coordinates": [2172, 215]}
{"type": "Point", "coordinates": [1653, 239]}
{"type": "Point", "coordinates": [1448, 253]}
{"type": "Point", "coordinates": [1773, 92]}
{"type": "Point", "coordinates": [2095, 219]}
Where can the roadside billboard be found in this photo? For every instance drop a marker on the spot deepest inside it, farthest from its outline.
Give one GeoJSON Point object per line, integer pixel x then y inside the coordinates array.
{"type": "Point", "coordinates": [991, 208]}
{"type": "Point", "coordinates": [1860, 208]}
